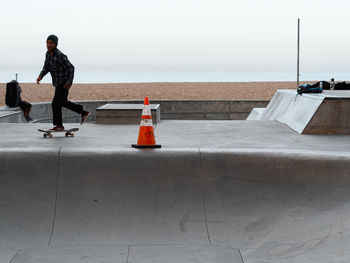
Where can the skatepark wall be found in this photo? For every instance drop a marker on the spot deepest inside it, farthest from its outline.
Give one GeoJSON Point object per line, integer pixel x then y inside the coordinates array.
{"type": "Point", "coordinates": [170, 110]}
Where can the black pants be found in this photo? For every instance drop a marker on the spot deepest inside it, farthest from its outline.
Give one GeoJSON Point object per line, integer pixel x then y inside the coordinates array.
{"type": "Point", "coordinates": [61, 100]}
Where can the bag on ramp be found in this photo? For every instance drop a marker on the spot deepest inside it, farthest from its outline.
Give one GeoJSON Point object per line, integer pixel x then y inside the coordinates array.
{"type": "Point", "coordinates": [308, 88]}
{"type": "Point", "coordinates": [342, 86]}
{"type": "Point", "coordinates": [317, 87]}
{"type": "Point", "coordinates": [12, 98]}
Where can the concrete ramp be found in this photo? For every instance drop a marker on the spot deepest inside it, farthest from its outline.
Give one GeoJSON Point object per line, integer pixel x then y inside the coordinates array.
{"type": "Point", "coordinates": [67, 201]}
{"type": "Point", "coordinates": [321, 113]}
{"type": "Point", "coordinates": [119, 193]}
{"type": "Point", "coordinates": [175, 206]}
{"type": "Point", "coordinates": [27, 196]}
{"type": "Point", "coordinates": [256, 114]}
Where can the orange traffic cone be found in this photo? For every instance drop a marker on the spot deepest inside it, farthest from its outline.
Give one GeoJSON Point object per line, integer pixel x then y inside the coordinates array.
{"type": "Point", "coordinates": [146, 133]}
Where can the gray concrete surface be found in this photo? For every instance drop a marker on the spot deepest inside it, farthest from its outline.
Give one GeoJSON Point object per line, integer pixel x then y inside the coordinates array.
{"type": "Point", "coordinates": [170, 110]}
{"type": "Point", "coordinates": [8, 255]}
{"type": "Point", "coordinates": [11, 115]}
{"type": "Point", "coordinates": [255, 114]}
{"type": "Point", "coordinates": [217, 191]}
{"type": "Point", "coordinates": [122, 254]}
{"type": "Point", "coordinates": [312, 113]}
{"type": "Point", "coordinates": [118, 113]}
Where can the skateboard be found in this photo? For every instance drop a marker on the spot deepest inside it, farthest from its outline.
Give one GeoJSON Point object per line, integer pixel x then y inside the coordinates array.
{"type": "Point", "coordinates": [48, 133]}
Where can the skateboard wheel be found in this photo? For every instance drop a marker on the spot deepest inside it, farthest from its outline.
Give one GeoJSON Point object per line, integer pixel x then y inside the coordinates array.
{"type": "Point", "coordinates": [50, 135]}
{"type": "Point", "coordinates": [44, 135]}
{"type": "Point", "coordinates": [66, 134]}
{"type": "Point", "coordinates": [72, 134]}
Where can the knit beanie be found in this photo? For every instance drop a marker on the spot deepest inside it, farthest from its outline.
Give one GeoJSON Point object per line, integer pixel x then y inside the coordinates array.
{"type": "Point", "coordinates": [53, 38]}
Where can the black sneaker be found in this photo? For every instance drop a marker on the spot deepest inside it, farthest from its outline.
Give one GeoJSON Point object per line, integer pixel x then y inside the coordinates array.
{"type": "Point", "coordinates": [84, 117]}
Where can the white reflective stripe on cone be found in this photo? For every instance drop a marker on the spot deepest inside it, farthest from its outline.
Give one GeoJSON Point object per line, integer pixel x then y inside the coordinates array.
{"type": "Point", "coordinates": [146, 122]}
{"type": "Point", "coordinates": [146, 110]}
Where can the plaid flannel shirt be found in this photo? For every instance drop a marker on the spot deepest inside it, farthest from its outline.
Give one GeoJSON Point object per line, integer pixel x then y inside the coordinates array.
{"type": "Point", "coordinates": [61, 70]}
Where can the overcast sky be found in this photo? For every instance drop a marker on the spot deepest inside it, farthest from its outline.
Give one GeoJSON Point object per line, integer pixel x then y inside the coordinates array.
{"type": "Point", "coordinates": [250, 35]}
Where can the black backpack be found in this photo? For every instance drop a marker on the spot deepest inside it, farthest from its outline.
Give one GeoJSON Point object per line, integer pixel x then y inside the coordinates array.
{"type": "Point", "coordinates": [342, 86]}
{"type": "Point", "coordinates": [13, 91]}
{"type": "Point", "coordinates": [322, 84]}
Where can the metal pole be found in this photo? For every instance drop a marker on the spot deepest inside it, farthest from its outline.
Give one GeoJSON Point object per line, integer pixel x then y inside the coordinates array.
{"type": "Point", "coordinates": [298, 53]}
{"type": "Point", "coordinates": [16, 77]}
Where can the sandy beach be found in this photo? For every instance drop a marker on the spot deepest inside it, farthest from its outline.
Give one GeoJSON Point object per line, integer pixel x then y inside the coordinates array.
{"type": "Point", "coordinates": [33, 92]}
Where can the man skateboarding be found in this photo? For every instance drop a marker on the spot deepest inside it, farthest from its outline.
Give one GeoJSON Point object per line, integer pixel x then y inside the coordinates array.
{"type": "Point", "coordinates": [62, 73]}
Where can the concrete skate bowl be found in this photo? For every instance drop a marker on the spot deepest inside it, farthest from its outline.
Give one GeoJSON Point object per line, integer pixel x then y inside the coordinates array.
{"type": "Point", "coordinates": [173, 205]}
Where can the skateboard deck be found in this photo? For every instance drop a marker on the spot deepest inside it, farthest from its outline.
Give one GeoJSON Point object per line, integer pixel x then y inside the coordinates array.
{"type": "Point", "coordinates": [69, 132]}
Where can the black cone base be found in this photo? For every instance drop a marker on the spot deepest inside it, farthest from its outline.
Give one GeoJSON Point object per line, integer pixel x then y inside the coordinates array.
{"type": "Point", "coordinates": [146, 146]}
